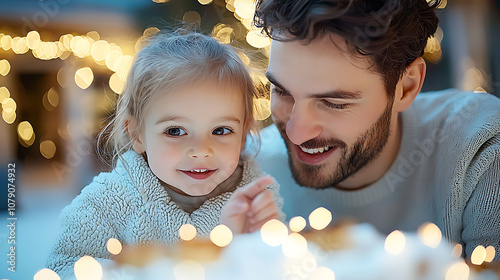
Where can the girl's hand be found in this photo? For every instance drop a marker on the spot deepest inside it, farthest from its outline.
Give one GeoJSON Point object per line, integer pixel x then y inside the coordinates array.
{"type": "Point", "coordinates": [250, 207]}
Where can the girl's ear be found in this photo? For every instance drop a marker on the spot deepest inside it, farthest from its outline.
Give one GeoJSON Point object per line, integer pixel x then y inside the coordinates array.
{"type": "Point", "coordinates": [133, 133]}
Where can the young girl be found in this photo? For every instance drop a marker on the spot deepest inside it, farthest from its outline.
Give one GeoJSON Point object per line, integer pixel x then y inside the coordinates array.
{"type": "Point", "coordinates": [178, 133]}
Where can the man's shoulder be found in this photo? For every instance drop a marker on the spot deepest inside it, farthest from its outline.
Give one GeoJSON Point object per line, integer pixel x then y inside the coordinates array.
{"type": "Point", "coordinates": [454, 109]}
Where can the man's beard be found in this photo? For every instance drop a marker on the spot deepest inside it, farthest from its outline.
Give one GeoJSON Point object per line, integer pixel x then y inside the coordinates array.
{"type": "Point", "coordinates": [354, 157]}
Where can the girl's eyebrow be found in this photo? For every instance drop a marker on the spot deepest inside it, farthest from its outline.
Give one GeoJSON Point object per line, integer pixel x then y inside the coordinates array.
{"type": "Point", "coordinates": [171, 118]}
{"type": "Point", "coordinates": [184, 119]}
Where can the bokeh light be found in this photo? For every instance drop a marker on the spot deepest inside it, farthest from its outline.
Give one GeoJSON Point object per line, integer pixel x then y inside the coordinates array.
{"type": "Point", "coordinates": [46, 274]}
{"type": "Point", "coordinates": [116, 83]}
{"type": "Point", "coordinates": [294, 246]}
{"type": "Point", "coordinates": [4, 67]}
{"type": "Point", "coordinates": [48, 149]}
{"type": "Point", "coordinates": [478, 256]}
{"type": "Point", "coordinates": [25, 130]}
{"type": "Point", "coordinates": [100, 50]}
{"type": "Point", "coordinates": [297, 223]}
{"type": "Point", "coordinates": [114, 246]}
{"type": "Point", "coordinates": [490, 254]}
{"type": "Point", "coordinates": [262, 108]}
{"type": "Point", "coordinates": [187, 232]}
{"type": "Point", "coordinates": [430, 234]}
{"type": "Point", "coordinates": [320, 218]}
{"type": "Point", "coordinates": [4, 94]}
{"type": "Point", "coordinates": [84, 77]}
{"type": "Point", "coordinates": [87, 268]}
{"type": "Point", "coordinates": [395, 242]}
{"type": "Point", "coordinates": [221, 236]}
{"type": "Point", "coordinates": [274, 232]}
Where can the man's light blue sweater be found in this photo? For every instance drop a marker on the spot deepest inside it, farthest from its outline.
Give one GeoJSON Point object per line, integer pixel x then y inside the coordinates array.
{"type": "Point", "coordinates": [447, 171]}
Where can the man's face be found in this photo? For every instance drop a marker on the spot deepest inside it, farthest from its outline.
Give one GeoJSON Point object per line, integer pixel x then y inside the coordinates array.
{"type": "Point", "coordinates": [331, 110]}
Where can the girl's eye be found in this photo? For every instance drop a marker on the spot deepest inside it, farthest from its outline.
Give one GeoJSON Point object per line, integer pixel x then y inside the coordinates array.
{"type": "Point", "coordinates": [222, 131]}
{"type": "Point", "coordinates": [334, 105]}
{"type": "Point", "coordinates": [175, 131]}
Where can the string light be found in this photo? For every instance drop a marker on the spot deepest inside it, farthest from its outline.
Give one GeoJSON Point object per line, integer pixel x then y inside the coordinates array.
{"type": "Point", "coordinates": [46, 274]}
{"type": "Point", "coordinates": [87, 268]}
{"type": "Point", "coordinates": [430, 235]}
{"type": "Point", "coordinates": [221, 236]}
{"type": "Point", "coordinates": [47, 149]}
{"type": "Point", "coordinates": [187, 232]}
{"type": "Point", "coordinates": [114, 246]}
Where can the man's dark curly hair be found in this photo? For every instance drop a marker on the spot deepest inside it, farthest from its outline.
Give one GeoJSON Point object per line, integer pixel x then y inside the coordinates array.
{"type": "Point", "coordinates": [392, 33]}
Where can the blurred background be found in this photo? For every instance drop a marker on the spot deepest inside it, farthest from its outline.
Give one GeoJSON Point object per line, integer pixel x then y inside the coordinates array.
{"type": "Point", "coordinates": [63, 64]}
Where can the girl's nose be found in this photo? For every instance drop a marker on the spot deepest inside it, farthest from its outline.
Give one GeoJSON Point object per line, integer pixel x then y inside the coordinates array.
{"type": "Point", "coordinates": [201, 149]}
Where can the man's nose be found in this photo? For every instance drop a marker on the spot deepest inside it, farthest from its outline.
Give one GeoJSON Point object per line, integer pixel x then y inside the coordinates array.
{"type": "Point", "coordinates": [201, 148]}
{"type": "Point", "coordinates": [304, 124]}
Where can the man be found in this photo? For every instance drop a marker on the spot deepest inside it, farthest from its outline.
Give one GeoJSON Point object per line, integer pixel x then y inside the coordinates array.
{"type": "Point", "coordinates": [345, 76]}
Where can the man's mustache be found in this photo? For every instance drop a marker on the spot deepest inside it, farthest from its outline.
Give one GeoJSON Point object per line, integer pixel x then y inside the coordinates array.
{"type": "Point", "coordinates": [315, 143]}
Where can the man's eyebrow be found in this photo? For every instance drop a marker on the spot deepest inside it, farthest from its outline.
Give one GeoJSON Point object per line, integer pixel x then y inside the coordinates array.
{"type": "Point", "coordinates": [273, 81]}
{"type": "Point", "coordinates": [338, 93]}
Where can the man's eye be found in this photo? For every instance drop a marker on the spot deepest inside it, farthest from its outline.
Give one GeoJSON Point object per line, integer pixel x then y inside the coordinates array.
{"type": "Point", "coordinates": [279, 92]}
{"type": "Point", "coordinates": [334, 105]}
{"type": "Point", "coordinates": [175, 131]}
{"type": "Point", "coordinates": [222, 131]}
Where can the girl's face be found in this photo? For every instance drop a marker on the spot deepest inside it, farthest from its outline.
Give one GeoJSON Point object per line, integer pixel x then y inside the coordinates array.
{"type": "Point", "coordinates": [193, 136]}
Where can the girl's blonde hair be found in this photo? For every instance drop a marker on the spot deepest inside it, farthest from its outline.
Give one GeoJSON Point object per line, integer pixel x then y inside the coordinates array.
{"type": "Point", "coordinates": [171, 60]}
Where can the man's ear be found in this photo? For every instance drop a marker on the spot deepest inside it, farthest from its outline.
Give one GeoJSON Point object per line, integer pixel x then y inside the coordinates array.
{"type": "Point", "coordinates": [133, 133]}
{"type": "Point", "coordinates": [410, 84]}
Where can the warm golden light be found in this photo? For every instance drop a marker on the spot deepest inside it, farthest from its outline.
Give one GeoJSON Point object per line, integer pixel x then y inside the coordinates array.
{"type": "Point", "coordinates": [189, 270]}
{"type": "Point", "coordinates": [122, 66]}
{"type": "Point", "coordinates": [262, 108]}
{"type": "Point", "coordinates": [297, 223]}
{"type": "Point", "coordinates": [116, 83]}
{"type": "Point", "coordinates": [113, 55]}
{"type": "Point", "coordinates": [47, 149]}
{"type": "Point", "coordinates": [205, 2]}
{"type": "Point", "coordinates": [84, 77]}
{"type": "Point", "coordinates": [245, 10]}
{"type": "Point", "coordinates": [46, 274]}
{"type": "Point", "coordinates": [21, 46]}
{"type": "Point", "coordinates": [457, 251]}
{"type": "Point", "coordinates": [114, 246]}
{"type": "Point", "coordinates": [257, 40]}
{"type": "Point", "coordinates": [274, 232]}
{"type": "Point", "coordinates": [4, 67]}
{"type": "Point", "coordinates": [4, 94]}
{"type": "Point", "coordinates": [478, 256]}
{"type": "Point", "coordinates": [87, 268]}
{"type": "Point", "coordinates": [191, 16]}
{"type": "Point", "coordinates": [395, 242]}
{"type": "Point", "coordinates": [94, 35]}
{"type": "Point", "coordinates": [150, 32]}
{"type": "Point", "coordinates": [53, 97]}
{"type": "Point", "coordinates": [160, 1]}
{"type": "Point", "coordinates": [100, 50]}
{"type": "Point", "coordinates": [320, 218]}
{"type": "Point", "coordinates": [322, 273]}
{"type": "Point", "coordinates": [187, 232]}
{"type": "Point", "coordinates": [490, 254]}
{"type": "Point", "coordinates": [9, 117]}
{"type": "Point", "coordinates": [33, 39]}
{"type": "Point", "coordinates": [458, 271]}
{"type": "Point", "coordinates": [25, 130]}
{"type": "Point", "coordinates": [430, 235]}
{"type": "Point", "coordinates": [6, 42]}
{"type": "Point", "coordinates": [224, 34]}
{"type": "Point", "coordinates": [80, 46]}
{"type": "Point", "coordinates": [295, 245]}
{"type": "Point", "coordinates": [221, 236]}
{"type": "Point", "coordinates": [9, 105]}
